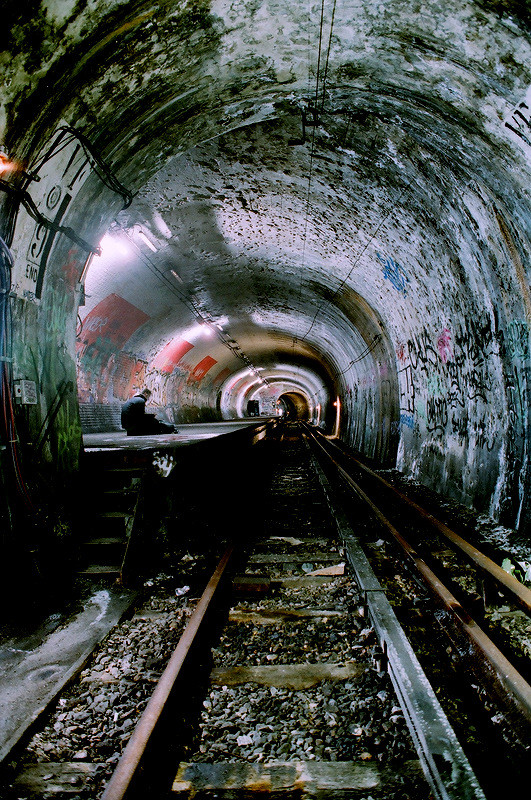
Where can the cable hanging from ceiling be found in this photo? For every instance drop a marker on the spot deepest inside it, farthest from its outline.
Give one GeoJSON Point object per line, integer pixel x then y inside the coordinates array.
{"type": "Point", "coordinates": [315, 112]}
{"type": "Point", "coordinates": [379, 224]}
{"type": "Point", "coordinates": [364, 353]}
{"type": "Point", "coordinates": [23, 197]}
{"type": "Point", "coordinates": [65, 135]}
{"type": "Point", "coordinates": [8, 428]}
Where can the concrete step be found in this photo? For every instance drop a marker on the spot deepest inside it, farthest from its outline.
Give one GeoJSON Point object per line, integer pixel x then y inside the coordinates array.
{"type": "Point", "coordinates": [100, 569]}
{"type": "Point", "coordinates": [106, 540]}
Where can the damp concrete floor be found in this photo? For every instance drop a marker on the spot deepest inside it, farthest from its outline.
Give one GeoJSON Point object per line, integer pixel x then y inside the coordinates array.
{"type": "Point", "coordinates": [34, 669]}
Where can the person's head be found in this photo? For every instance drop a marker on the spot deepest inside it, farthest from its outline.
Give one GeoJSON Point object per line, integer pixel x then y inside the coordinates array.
{"type": "Point", "coordinates": [146, 393]}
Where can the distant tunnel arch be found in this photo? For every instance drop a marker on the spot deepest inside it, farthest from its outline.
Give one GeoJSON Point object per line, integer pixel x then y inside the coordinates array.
{"type": "Point", "coordinates": [295, 406]}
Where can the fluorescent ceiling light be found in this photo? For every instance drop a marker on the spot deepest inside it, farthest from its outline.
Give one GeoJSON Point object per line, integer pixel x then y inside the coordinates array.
{"type": "Point", "coordinates": [142, 235]}
{"type": "Point", "coordinates": [114, 246]}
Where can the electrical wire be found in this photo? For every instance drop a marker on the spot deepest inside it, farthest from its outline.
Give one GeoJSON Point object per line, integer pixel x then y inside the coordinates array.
{"type": "Point", "coordinates": [328, 56]}
{"type": "Point", "coordinates": [23, 197]}
{"type": "Point", "coordinates": [379, 224]}
{"type": "Point", "coordinates": [9, 431]}
{"type": "Point", "coordinates": [65, 135]}
{"type": "Point", "coordinates": [310, 171]}
{"type": "Point", "coordinates": [370, 347]}
{"type": "Point", "coordinates": [321, 23]}
{"type": "Point", "coordinates": [316, 113]}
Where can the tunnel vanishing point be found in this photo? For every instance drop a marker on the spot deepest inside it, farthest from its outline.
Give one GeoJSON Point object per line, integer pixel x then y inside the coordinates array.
{"type": "Point", "coordinates": [321, 206]}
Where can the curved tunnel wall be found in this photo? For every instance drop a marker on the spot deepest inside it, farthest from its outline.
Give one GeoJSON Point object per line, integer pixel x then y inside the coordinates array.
{"type": "Point", "coordinates": [379, 238]}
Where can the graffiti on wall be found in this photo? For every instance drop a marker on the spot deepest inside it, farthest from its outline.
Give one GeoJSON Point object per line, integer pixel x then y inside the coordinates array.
{"type": "Point", "coordinates": [170, 355]}
{"type": "Point", "coordinates": [517, 340]}
{"type": "Point", "coordinates": [394, 273]}
{"type": "Point", "coordinates": [519, 120]}
{"type": "Point", "coordinates": [104, 332]}
{"type": "Point", "coordinates": [113, 320]}
{"type": "Point", "coordinates": [452, 372]}
{"type": "Point", "coordinates": [199, 371]}
{"type": "Point", "coordinates": [129, 375]}
{"type": "Point", "coordinates": [444, 346]}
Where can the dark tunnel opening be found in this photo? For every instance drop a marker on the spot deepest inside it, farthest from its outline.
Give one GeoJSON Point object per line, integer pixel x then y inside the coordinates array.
{"type": "Point", "coordinates": [295, 407]}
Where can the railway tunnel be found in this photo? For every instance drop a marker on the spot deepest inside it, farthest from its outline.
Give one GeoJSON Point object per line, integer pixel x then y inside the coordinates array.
{"type": "Point", "coordinates": [319, 206]}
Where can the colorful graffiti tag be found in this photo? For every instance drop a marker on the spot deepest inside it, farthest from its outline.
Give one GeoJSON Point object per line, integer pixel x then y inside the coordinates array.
{"type": "Point", "coordinates": [394, 272]}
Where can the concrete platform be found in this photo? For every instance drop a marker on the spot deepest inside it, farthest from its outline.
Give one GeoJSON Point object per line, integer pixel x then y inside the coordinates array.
{"type": "Point", "coordinates": [34, 670]}
{"type": "Point", "coordinates": [187, 434]}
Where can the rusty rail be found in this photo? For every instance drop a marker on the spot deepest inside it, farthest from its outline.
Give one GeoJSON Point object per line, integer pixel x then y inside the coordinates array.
{"type": "Point", "coordinates": [505, 679]}
{"type": "Point", "coordinates": [443, 760]}
{"type": "Point", "coordinates": [520, 593]}
{"type": "Point", "coordinates": [131, 759]}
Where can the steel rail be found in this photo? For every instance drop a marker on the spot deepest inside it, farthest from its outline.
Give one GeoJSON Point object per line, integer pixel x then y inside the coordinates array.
{"type": "Point", "coordinates": [506, 679]}
{"type": "Point", "coordinates": [443, 761]}
{"type": "Point", "coordinates": [521, 593]}
{"type": "Point", "coordinates": [130, 761]}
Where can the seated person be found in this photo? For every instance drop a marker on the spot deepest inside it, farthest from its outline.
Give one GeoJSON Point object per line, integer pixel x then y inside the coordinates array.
{"type": "Point", "coordinates": [135, 420]}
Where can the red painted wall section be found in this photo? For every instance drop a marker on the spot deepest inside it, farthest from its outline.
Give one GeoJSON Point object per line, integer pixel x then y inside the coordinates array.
{"type": "Point", "coordinates": [170, 355]}
{"type": "Point", "coordinates": [104, 332]}
{"type": "Point", "coordinates": [220, 377]}
{"type": "Point", "coordinates": [199, 371]}
{"type": "Point", "coordinates": [114, 320]}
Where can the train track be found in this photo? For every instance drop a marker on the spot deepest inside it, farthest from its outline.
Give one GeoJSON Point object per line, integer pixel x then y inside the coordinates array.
{"type": "Point", "coordinates": [471, 599]}
{"type": "Point", "coordinates": [310, 689]}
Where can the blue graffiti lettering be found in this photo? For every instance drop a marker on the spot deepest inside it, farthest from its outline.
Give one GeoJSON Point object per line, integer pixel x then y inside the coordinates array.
{"type": "Point", "coordinates": [394, 272]}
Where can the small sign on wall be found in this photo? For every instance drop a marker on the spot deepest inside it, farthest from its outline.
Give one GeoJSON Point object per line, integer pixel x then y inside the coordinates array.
{"type": "Point", "coordinates": [26, 393]}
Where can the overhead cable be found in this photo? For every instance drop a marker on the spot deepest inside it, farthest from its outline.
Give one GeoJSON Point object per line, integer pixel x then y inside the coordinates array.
{"type": "Point", "coordinates": [67, 133]}
{"type": "Point", "coordinates": [355, 262]}
{"type": "Point", "coordinates": [364, 353]}
{"type": "Point", "coordinates": [316, 112]}
{"type": "Point", "coordinates": [23, 197]}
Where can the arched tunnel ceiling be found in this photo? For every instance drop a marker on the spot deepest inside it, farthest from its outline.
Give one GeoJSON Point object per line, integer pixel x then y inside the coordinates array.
{"type": "Point", "coordinates": [298, 211]}
{"type": "Point", "coordinates": [324, 184]}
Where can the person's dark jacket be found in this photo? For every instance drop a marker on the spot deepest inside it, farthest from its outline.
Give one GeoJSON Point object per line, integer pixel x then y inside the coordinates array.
{"type": "Point", "coordinates": [134, 412]}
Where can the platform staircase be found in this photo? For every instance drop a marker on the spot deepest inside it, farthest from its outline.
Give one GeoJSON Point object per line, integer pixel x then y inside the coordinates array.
{"type": "Point", "coordinates": [115, 493]}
